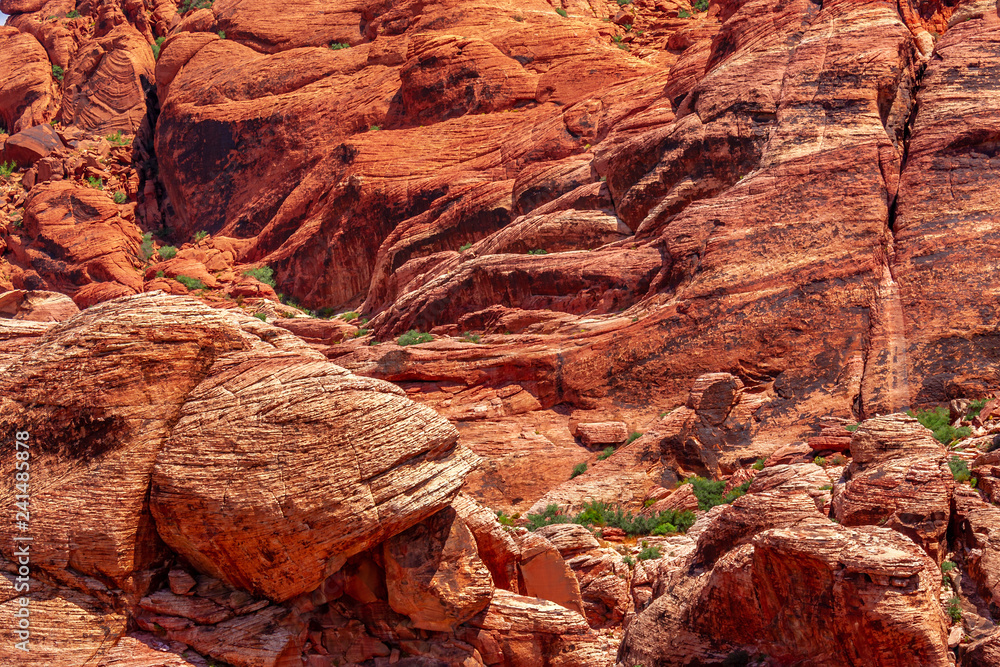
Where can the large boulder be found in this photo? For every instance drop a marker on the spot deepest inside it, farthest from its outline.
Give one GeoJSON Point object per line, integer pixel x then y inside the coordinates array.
{"type": "Point", "coordinates": [27, 91]}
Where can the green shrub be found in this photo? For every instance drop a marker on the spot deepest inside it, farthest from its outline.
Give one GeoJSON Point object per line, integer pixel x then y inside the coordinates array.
{"type": "Point", "coordinates": [852, 427]}
{"type": "Point", "coordinates": [838, 460]}
{"type": "Point", "coordinates": [95, 182]}
{"type": "Point", "coordinates": [959, 469]}
{"type": "Point", "coordinates": [222, 34]}
{"type": "Point", "coordinates": [264, 274]}
{"type": "Point", "coordinates": [464, 247]}
{"type": "Point", "coordinates": [736, 492]}
{"type": "Point", "coordinates": [119, 197]}
{"type": "Point", "coordinates": [518, 18]}
{"type": "Point", "coordinates": [955, 609]}
{"type": "Point", "coordinates": [8, 168]}
{"type": "Point", "coordinates": [975, 407]}
{"type": "Point", "coordinates": [648, 553]}
{"type": "Point", "coordinates": [820, 461]}
{"type": "Point", "coordinates": [551, 515]}
{"type": "Point", "coordinates": [648, 502]}
{"type": "Point", "coordinates": [350, 315]}
{"type": "Point", "coordinates": [190, 283]}
{"type": "Point", "coordinates": [826, 487]}
{"type": "Point", "coordinates": [505, 519]}
{"type": "Point", "coordinates": [119, 139]}
{"type": "Point", "coordinates": [337, 46]}
{"type": "Point", "coordinates": [707, 491]}
{"type": "Point", "coordinates": [622, 3]}
{"type": "Point", "coordinates": [578, 469]}
{"type": "Point", "coordinates": [947, 566]}
{"type": "Point", "coordinates": [562, 12]}
{"type": "Point", "coordinates": [362, 332]}
{"type": "Point", "coordinates": [199, 236]}
{"type": "Point", "coordinates": [633, 436]}
{"type": "Point", "coordinates": [157, 47]}
{"type": "Point", "coordinates": [72, 14]}
{"type": "Point", "coordinates": [261, 316]}
{"type": "Point", "coordinates": [758, 464]}
{"type": "Point", "coordinates": [471, 337]}
{"type": "Point", "coordinates": [414, 337]}
{"type": "Point", "coordinates": [167, 252]}
{"type": "Point", "coordinates": [683, 14]}
{"type": "Point", "coordinates": [937, 420]}
{"type": "Point", "coordinates": [146, 248]}
{"type": "Point", "coordinates": [628, 560]}
{"type": "Point", "coordinates": [701, 5]}
{"type": "Point", "coordinates": [374, 128]}
{"type": "Point", "coordinates": [601, 515]}
{"type": "Point", "coordinates": [608, 451]}
{"type": "Point", "coordinates": [160, 274]}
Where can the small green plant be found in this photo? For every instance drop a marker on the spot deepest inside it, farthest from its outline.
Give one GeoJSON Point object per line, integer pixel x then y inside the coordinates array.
{"type": "Point", "coordinates": [160, 274]}
{"type": "Point", "coordinates": [263, 274]}
{"type": "Point", "coordinates": [57, 72]}
{"type": "Point", "coordinates": [707, 491]}
{"type": "Point", "coordinates": [975, 407]}
{"type": "Point", "coordinates": [701, 5]}
{"type": "Point", "coordinates": [628, 560]}
{"type": "Point", "coordinates": [337, 46]}
{"type": "Point", "coordinates": [736, 492]}
{"type": "Point", "coordinates": [17, 223]}
{"type": "Point", "coordinates": [362, 332]}
{"type": "Point", "coordinates": [820, 461]}
{"type": "Point", "coordinates": [471, 337]}
{"type": "Point", "coordinates": [758, 464]}
{"type": "Point", "coordinates": [518, 18]}
{"type": "Point", "coordinates": [838, 460]}
{"type": "Point", "coordinates": [955, 609]}
{"type": "Point", "coordinates": [200, 236]}
{"type": "Point", "coordinates": [562, 12]}
{"type": "Point", "coordinates": [959, 469]}
{"type": "Point", "coordinates": [538, 251]}
{"type": "Point", "coordinates": [261, 316]}
{"type": "Point", "coordinates": [607, 452]}
{"type": "Point", "coordinates": [578, 469]}
{"type": "Point", "coordinates": [464, 247]}
{"type": "Point", "coordinates": [852, 427]}
{"type": "Point", "coordinates": [937, 420]}
{"type": "Point", "coordinates": [119, 139]}
{"type": "Point", "coordinates": [683, 14]}
{"type": "Point", "coordinates": [190, 283]}
{"type": "Point", "coordinates": [167, 252]}
{"type": "Point", "coordinates": [947, 566]}
{"type": "Point", "coordinates": [119, 197]}
{"type": "Point", "coordinates": [8, 168]}
{"type": "Point", "coordinates": [146, 248]}
{"type": "Point", "coordinates": [374, 128]}
{"type": "Point", "coordinates": [95, 182]}
{"type": "Point", "coordinates": [648, 502]}
{"type": "Point", "coordinates": [622, 3]}
{"type": "Point", "coordinates": [72, 14]}
{"type": "Point", "coordinates": [649, 552]}
{"type": "Point", "coordinates": [627, 27]}
{"type": "Point", "coordinates": [222, 34]}
{"type": "Point", "coordinates": [157, 46]}
{"type": "Point", "coordinates": [350, 315]}
{"type": "Point", "coordinates": [414, 337]}
{"type": "Point", "coordinates": [633, 436]}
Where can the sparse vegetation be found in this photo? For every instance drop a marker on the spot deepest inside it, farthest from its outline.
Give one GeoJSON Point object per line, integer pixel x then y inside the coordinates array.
{"type": "Point", "coordinates": [938, 421]}
{"type": "Point", "coordinates": [648, 502]}
{"type": "Point", "coordinates": [617, 40]}
{"type": "Point", "coordinates": [507, 519]}
{"type": "Point", "coordinates": [157, 46]}
{"type": "Point", "coordinates": [167, 252]}
{"type": "Point", "coordinates": [826, 487]}
{"type": "Point", "coordinates": [261, 316]}
{"type": "Point", "coordinates": [606, 453]}
{"type": "Point", "coordinates": [955, 609]}
{"type": "Point", "coordinates": [701, 5]}
{"type": "Point", "coordinates": [471, 337]}
{"type": "Point", "coordinates": [350, 315]}
{"type": "Point", "coordinates": [146, 248]}
{"type": "Point", "coordinates": [72, 14]}
{"type": "Point", "coordinates": [518, 18]}
{"type": "Point", "coordinates": [758, 464]}
{"type": "Point", "coordinates": [222, 34]}
{"type": "Point", "coordinates": [119, 197]}
{"type": "Point", "coordinates": [190, 283]}
{"type": "Point", "coordinates": [838, 460]}
{"type": "Point", "coordinates": [414, 337]}
{"type": "Point", "coordinates": [562, 12]}
{"type": "Point", "coordinates": [649, 552]}
{"type": "Point", "coordinates": [707, 491]}
{"type": "Point", "coordinates": [8, 168]}
{"type": "Point", "coordinates": [602, 515]}
{"type": "Point", "coordinates": [683, 14]}
{"type": "Point", "coordinates": [628, 560]}
{"type": "Point", "coordinates": [264, 274]}
{"type": "Point", "coordinates": [622, 3]}
{"type": "Point", "coordinates": [464, 247]}
{"type": "Point", "coordinates": [975, 407]}
{"type": "Point", "coordinates": [337, 46]}
{"type": "Point", "coordinates": [362, 332]}
{"type": "Point", "coordinates": [959, 469]}
{"type": "Point", "coordinates": [57, 72]}
{"type": "Point", "coordinates": [736, 492]}
{"type": "Point", "coordinates": [95, 182]}
{"type": "Point", "coordinates": [119, 139]}
{"type": "Point", "coordinates": [200, 236]}
{"type": "Point", "coordinates": [820, 461]}
{"type": "Point", "coordinates": [538, 251]}
{"type": "Point", "coordinates": [374, 128]}
{"type": "Point", "coordinates": [578, 469]}
{"type": "Point", "coordinates": [852, 427]}
{"type": "Point", "coordinates": [633, 436]}
{"type": "Point", "coordinates": [189, 5]}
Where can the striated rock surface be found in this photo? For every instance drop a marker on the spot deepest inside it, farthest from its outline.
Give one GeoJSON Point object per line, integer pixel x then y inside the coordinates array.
{"type": "Point", "coordinates": [27, 92]}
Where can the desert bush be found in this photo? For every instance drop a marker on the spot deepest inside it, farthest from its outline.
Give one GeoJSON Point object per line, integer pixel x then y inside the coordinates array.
{"type": "Point", "coordinates": [261, 316]}
{"type": "Point", "coordinates": [119, 139]}
{"type": "Point", "coordinates": [95, 182]}
{"type": "Point", "coordinates": [199, 236]}
{"type": "Point", "coordinates": [167, 252]}
{"type": "Point", "coordinates": [562, 12]}
{"type": "Point", "coordinates": [264, 274]}
{"type": "Point", "coordinates": [938, 421]}
{"type": "Point", "coordinates": [736, 492]}
{"type": "Point", "coordinates": [758, 464]}
{"type": "Point", "coordinates": [119, 197]}
{"type": "Point", "coordinates": [190, 283]}
{"type": "Point", "coordinates": [157, 46]}
{"type": "Point", "coordinates": [633, 436]}
{"type": "Point", "coordinates": [471, 337]}
{"type": "Point", "coordinates": [578, 469]}
{"type": "Point", "coordinates": [538, 251]}
{"type": "Point", "coordinates": [959, 469]}
{"type": "Point", "coordinates": [414, 337]}
{"type": "Point", "coordinates": [708, 492]}
{"type": "Point", "coordinates": [608, 451]}
{"type": "Point", "coordinates": [337, 46]}
{"type": "Point", "coordinates": [72, 14]}
{"type": "Point", "coordinates": [8, 168]}
{"type": "Point", "coordinates": [649, 553]}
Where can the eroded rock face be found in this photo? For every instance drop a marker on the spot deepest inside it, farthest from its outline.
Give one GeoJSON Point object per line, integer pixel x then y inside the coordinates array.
{"type": "Point", "coordinates": [27, 93]}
